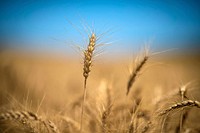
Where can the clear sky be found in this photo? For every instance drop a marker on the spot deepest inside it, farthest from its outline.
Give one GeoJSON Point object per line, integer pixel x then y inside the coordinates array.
{"type": "Point", "coordinates": [166, 23]}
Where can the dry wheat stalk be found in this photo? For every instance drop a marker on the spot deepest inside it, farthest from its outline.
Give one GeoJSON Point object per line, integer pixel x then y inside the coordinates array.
{"type": "Point", "coordinates": [105, 104]}
{"type": "Point", "coordinates": [28, 116]}
{"type": "Point", "coordinates": [136, 111]}
{"type": "Point", "coordinates": [187, 103]}
{"type": "Point", "coordinates": [104, 119]}
{"type": "Point", "coordinates": [184, 116]}
{"type": "Point", "coordinates": [134, 117]}
{"type": "Point", "coordinates": [88, 55]}
{"type": "Point", "coordinates": [139, 65]}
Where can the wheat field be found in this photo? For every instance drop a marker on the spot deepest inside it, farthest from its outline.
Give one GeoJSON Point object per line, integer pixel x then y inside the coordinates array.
{"type": "Point", "coordinates": [44, 94]}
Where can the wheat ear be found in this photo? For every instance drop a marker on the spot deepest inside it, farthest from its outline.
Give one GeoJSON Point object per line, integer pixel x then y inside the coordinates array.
{"type": "Point", "coordinates": [139, 65]}
{"type": "Point", "coordinates": [16, 115]}
{"type": "Point", "coordinates": [27, 115]}
{"type": "Point", "coordinates": [88, 55]}
{"type": "Point", "coordinates": [104, 119]}
{"type": "Point", "coordinates": [187, 103]}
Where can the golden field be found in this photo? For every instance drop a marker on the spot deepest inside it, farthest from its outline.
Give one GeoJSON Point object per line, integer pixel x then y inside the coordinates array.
{"type": "Point", "coordinates": [52, 88]}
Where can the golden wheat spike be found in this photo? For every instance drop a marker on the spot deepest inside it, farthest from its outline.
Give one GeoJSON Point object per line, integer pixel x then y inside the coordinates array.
{"type": "Point", "coordinates": [187, 103]}
{"type": "Point", "coordinates": [88, 55]}
{"type": "Point", "coordinates": [10, 115]}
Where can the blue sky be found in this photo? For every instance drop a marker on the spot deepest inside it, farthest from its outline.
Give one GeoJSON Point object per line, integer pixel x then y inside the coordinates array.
{"type": "Point", "coordinates": [166, 23]}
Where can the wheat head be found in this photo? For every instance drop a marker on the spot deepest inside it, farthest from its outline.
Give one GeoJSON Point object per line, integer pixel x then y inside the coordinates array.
{"type": "Point", "coordinates": [187, 103]}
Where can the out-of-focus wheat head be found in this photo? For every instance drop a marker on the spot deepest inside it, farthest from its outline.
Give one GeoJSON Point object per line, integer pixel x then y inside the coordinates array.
{"type": "Point", "coordinates": [139, 63]}
{"type": "Point", "coordinates": [105, 105]}
{"type": "Point", "coordinates": [28, 120]}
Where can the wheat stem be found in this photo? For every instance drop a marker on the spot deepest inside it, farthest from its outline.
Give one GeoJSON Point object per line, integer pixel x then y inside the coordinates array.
{"type": "Point", "coordinates": [88, 55]}
{"type": "Point", "coordinates": [83, 103]}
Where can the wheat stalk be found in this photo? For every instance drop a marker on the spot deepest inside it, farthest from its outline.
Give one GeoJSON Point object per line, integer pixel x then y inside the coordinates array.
{"type": "Point", "coordinates": [134, 116]}
{"type": "Point", "coordinates": [88, 55]}
{"type": "Point", "coordinates": [187, 103]}
{"type": "Point", "coordinates": [104, 118]}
